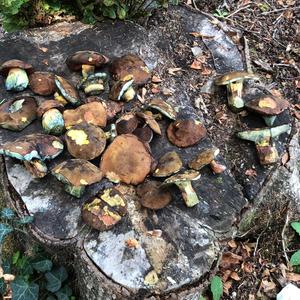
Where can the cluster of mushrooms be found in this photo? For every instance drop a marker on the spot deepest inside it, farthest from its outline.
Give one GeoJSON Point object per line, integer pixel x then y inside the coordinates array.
{"type": "Point", "coordinates": [92, 128]}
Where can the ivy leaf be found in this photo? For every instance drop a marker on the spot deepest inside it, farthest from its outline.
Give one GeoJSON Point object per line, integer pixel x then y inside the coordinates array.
{"type": "Point", "coordinates": [55, 279]}
{"type": "Point", "coordinates": [108, 2]}
{"type": "Point", "coordinates": [295, 259]}
{"type": "Point", "coordinates": [109, 12]}
{"type": "Point", "coordinates": [42, 265]}
{"type": "Point", "coordinates": [22, 290]}
{"type": "Point", "coordinates": [216, 287]}
{"type": "Point", "coordinates": [7, 213]}
{"type": "Point", "coordinates": [4, 231]}
{"type": "Point", "coordinates": [121, 13]}
{"type": "Point", "coordinates": [26, 220]}
{"type": "Point", "coordinates": [2, 287]}
{"type": "Point", "coordinates": [296, 226]}
{"type": "Point", "coordinates": [15, 257]}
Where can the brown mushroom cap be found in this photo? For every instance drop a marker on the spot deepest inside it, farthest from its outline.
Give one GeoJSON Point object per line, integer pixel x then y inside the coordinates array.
{"type": "Point", "coordinates": [77, 172]}
{"type": "Point", "coordinates": [15, 63]}
{"type": "Point", "coordinates": [47, 105]}
{"type": "Point", "coordinates": [18, 113]}
{"type": "Point", "coordinates": [234, 76]}
{"type": "Point", "coordinates": [91, 113]}
{"type": "Point", "coordinates": [130, 64]}
{"type": "Point", "coordinates": [42, 83]}
{"type": "Point", "coordinates": [67, 90]}
{"type": "Point", "coordinates": [150, 121]}
{"type": "Point", "coordinates": [163, 107]}
{"type": "Point", "coordinates": [145, 134]}
{"type": "Point", "coordinates": [185, 133]}
{"type": "Point", "coordinates": [152, 195]}
{"type": "Point", "coordinates": [127, 123]}
{"type": "Point", "coordinates": [91, 58]}
{"type": "Point", "coordinates": [126, 159]}
{"type": "Point", "coordinates": [168, 164]}
{"type": "Point", "coordinates": [204, 158]}
{"type": "Point", "coordinates": [85, 141]}
{"type": "Point", "coordinates": [268, 105]}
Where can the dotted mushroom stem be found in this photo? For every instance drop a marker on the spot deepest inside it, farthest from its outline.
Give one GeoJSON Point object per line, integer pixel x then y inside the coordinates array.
{"type": "Point", "coordinates": [234, 91]}
{"type": "Point", "coordinates": [188, 193]}
{"type": "Point", "coordinates": [216, 167]}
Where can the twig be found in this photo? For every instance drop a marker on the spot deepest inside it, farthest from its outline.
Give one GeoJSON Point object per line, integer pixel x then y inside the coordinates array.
{"type": "Point", "coordinates": [280, 10]}
{"type": "Point", "coordinates": [238, 10]}
{"type": "Point", "coordinates": [247, 55]}
{"type": "Point", "coordinates": [283, 237]}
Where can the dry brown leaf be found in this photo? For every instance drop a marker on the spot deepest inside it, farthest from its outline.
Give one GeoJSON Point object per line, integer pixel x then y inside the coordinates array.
{"type": "Point", "coordinates": [283, 269]}
{"type": "Point", "coordinates": [251, 173]}
{"type": "Point", "coordinates": [268, 286]}
{"type": "Point", "coordinates": [296, 114]}
{"type": "Point", "coordinates": [235, 276]}
{"type": "Point", "coordinates": [173, 71]}
{"type": "Point", "coordinates": [297, 83]}
{"type": "Point", "coordinates": [155, 90]}
{"type": "Point", "coordinates": [229, 258]}
{"type": "Point", "coordinates": [156, 79]}
{"type": "Point", "coordinates": [285, 158]}
{"type": "Point", "coordinates": [44, 49]}
{"type": "Point", "coordinates": [266, 273]}
{"type": "Point", "coordinates": [225, 275]}
{"type": "Point", "coordinates": [247, 247]}
{"type": "Point", "coordinates": [132, 243]}
{"type": "Point", "coordinates": [227, 286]}
{"type": "Point", "coordinates": [293, 277]}
{"type": "Point", "coordinates": [297, 106]}
{"type": "Point", "coordinates": [232, 244]}
{"type": "Point", "coordinates": [196, 65]}
{"type": "Point", "coordinates": [167, 92]}
{"type": "Point", "coordinates": [201, 35]}
{"type": "Point", "coordinates": [206, 71]}
{"type": "Point", "coordinates": [247, 267]}
{"type": "Point", "coordinates": [155, 233]}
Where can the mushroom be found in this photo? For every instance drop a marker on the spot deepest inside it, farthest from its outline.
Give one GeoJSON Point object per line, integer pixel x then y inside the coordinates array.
{"type": "Point", "coordinates": [91, 113]}
{"type": "Point", "coordinates": [207, 157]}
{"type": "Point", "coordinates": [268, 106]}
{"type": "Point", "coordinates": [67, 90]}
{"type": "Point", "coordinates": [93, 84]}
{"type": "Point", "coordinates": [34, 149]}
{"type": "Point", "coordinates": [130, 64]}
{"type": "Point", "coordinates": [105, 210]}
{"type": "Point", "coordinates": [168, 164]}
{"type": "Point", "coordinates": [185, 133]}
{"type": "Point", "coordinates": [17, 113]}
{"type": "Point", "coordinates": [127, 123]}
{"type": "Point", "coordinates": [267, 153]}
{"type": "Point", "coordinates": [152, 195]}
{"type": "Point", "coordinates": [86, 61]}
{"type": "Point", "coordinates": [145, 134]}
{"type": "Point", "coordinates": [52, 118]}
{"type": "Point", "coordinates": [126, 160]}
{"type": "Point", "coordinates": [163, 107]}
{"type": "Point", "coordinates": [150, 121]}
{"type": "Point", "coordinates": [42, 83]}
{"type": "Point", "coordinates": [85, 141]}
{"type": "Point", "coordinates": [122, 89]}
{"type": "Point", "coordinates": [183, 182]}
{"type": "Point", "coordinates": [76, 174]}
{"type": "Point", "coordinates": [234, 83]}
{"type": "Point", "coordinates": [16, 72]}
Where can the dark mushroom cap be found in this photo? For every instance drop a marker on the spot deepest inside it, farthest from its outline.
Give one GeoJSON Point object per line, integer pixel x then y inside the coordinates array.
{"type": "Point", "coordinates": [127, 123]}
{"type": "Point", "coordinates": [105, 210]}
{"type": "Point", "coordinates": [126, 159]}
{"type": "Point", "coordinates": [163, 107]}
{"type": "Point", "coordinates": [150, 121]}
{"type": "Point", "coordinates": [185, 133]}
{"type": "Point", "coordinates": [92, 58]}
{"type": "Point", "coordinates": [67, 90]}
{"type": "Point", "coordinates": [18, 113]}
{"type": "Point", "coordinates": [42, 83]}
{"type": "Point", "coordinates": [77, 172]}
{"type": "Point", "coordinates": [234, 76]}
{"type": "Point", "coordinates": [15, 63]}
{"type": "Point", "coordinates": [33, 146]}
{"type": "Point", "coordinates": [85, 141]}
{"type": "Point", "coordinates": [47, 105]}
{"type": "Point", "coordinates": [91, 113]}
{"type": "Point", "coordinates": [145, 134]}
{"type": "Point", "coordinates": [268, 105]}
{"type": "Point", "coordinates": [130, 64]}
{"type": "Point", "coordinates": [168, 164]}
{"type": "Point", "coordinates": [152, 195]}
{"type": "Point", "coordinates": [204, 158]}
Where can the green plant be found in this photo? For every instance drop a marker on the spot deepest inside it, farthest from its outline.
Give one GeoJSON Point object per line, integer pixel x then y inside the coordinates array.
{"type": "Point", "coordinates": [216, 287]}
{"type": "Point", "coordinates": [295, 258]}
{"type": "Point", "coordinates": [221, 13]}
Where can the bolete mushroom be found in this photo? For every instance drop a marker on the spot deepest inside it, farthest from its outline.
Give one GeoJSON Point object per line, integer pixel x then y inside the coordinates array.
{"type": "Point", "coordinates": [52, 118]}
{"type": "Point", "coordinates": [130, 64]}
{"type": "Point", "coordinates": [18, 113]}
{"type": "Point", "coordinates": [126, 160]}
{"type": "Point", "coordinates": [122, 89]}
{"type": "Point", "coordinates": [150, 121]}
{"type": "Point", "coordinates": [185, 133]}
{"type": "Point", "coordinates": [85, 141]}
{"type": "Point", "coordinates": [34, 149]}
{"type": "Point", "coordinates": [145, 134]}
{"type": "Point", "coordinates": [183, 182]}
{"type": "Point", "coordinates": [234, 84]}
{"type": "Point", "coordinates": [91, 113]}
{"type": "Point", "coordinates": [165, 108]}
{"type": "Point", "coordinates": [94, 84]}
{"type": "Point", "coordinates": [267, 153]}
{"type": "Point", "coordinates": [42, 83]}
{"type": "Point", "coordinates": [268, 106]}
{"type": "Point", "coordinates": [67, 90]}
{"type": "Point", "coordinates": [16, 72]}
{"type": "Point", "coordinates": [170, 163]}
{"type": "Point", "coordinates": [207, 157]}
{"type": "Point", "coordinates": [105, 210]}
{"type": "Point", "coordinates": [76, 174]}
{"type": "Point", "coordinates": [127, 123]}
{"type": "Point", "coordinates": [152, 195]}
{"type": "Point", "coordinates": [86, 61]}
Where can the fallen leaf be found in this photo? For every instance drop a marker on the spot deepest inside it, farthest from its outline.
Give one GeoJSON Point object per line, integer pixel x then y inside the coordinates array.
{"type": "Point", "coordinates": [173, 71]}
{"type": "Point", "coordinates": [201, 35]}
{"type": "Point", "coordinates": [229, 258]}
{"type": "Point", "coordinates": [167, 92]}
{"type": "Point", "coordinates": [155, 90]}
{"type": "Point", "coordinates": [285, 158]}
{"type": "Point", "coordinates": [297, 83]}
{"type": "Point", "coordinates": [293, 276]}
{"type": "Point", "coordinates": [206, 71]}
{"type": "Point", "coordinates": [251, 173]}
{"type": "Point", "coordinates": [235, 276]}
{"type": "Point", "coordinates": [227, 286]}
{"type": "Point", "coordinates": [296, 114]}
{"type": "Point", "coordinates": [283, 269]}
{"type": "Point", "coordinates": [232, 244]}
{"type": "Point", "coordinates": [297, 106]}
{"type": "Point", "coordinates": [132, 243]}
{"type": "Point", "coordinates": [9, 277]}
{"type": "Point", "coordinates": [266, 273]}
{"type": "Point", "coordinates": [156, 79]}
{"type": "Point", "coordinates": [44, 49]}
{"type": "Point", "coordinates": [196, 65]}
{"type": "Point", "coordinates": [155, 233]}
{"type": "Point", "coordinates": [45, 62]}
{"type": "Point", "coordinates": [225, 275]}
{"type": "Point", "coordinates": [247, 267]}
{"type": "Point", "coordinates": [268, 285]}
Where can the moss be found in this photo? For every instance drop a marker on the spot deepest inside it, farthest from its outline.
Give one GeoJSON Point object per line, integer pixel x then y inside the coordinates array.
{"type": "Point", "coordinates": [247, 220]}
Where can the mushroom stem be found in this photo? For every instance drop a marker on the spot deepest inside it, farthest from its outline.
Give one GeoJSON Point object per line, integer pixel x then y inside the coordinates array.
{"type": "Point", "coordinates": [87, 70]}
{"type": "Point", "coordinates": [76, 191]}
{"type": "Point", "coordinates": [112, 133]}
{"type": "Point", "coordinates": [16, 80]}
{"type": "Point", "coordinates": [267, 154]}
{"type": "Point", "coordinates": [234, 92]}
{"type": "Point", "coordinates": [269, 120]}
{"type": "Point", "coordinates": [93, 88]}
{"type": "Point", "coordinates": [129, 94]}
{"type": "Point", "coordinates": [216, 167]}
{"type": "Point", "coordinates": [37, 168]}
{"type": "Point", "coordinates": [188, 193]}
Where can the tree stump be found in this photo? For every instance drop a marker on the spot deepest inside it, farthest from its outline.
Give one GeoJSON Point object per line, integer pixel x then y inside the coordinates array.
{"type": "Point", "coordinates": [189, 245]}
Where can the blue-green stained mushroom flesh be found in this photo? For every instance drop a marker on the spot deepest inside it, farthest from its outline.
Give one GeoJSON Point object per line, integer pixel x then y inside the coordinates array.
{"type": "Point", "coordinates": [53, 122]}
{"type": "Point", "coordinates": [17, 80]}
{"type": "Point", "coordinates": [67, 90]}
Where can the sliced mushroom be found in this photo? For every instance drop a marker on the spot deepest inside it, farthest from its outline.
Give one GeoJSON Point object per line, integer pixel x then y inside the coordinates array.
{"type": "Point", "coordinates": [170, 163]}
{"type": "Point", "coordinates": [16, 72]}
{"type": "Point", "coordinates": [18, 113]}
{"type": "Point", "coordinates": [150, 121]}
{"type": "Point", "coordinates": [127, 123]}
{"type": "Point", "coordinates": [42, 83]}
{"type": "Point", "coordinates": [123, 90]}
{"type": "Point", "coordinates": [207, 157]}
{"type": "Point", "coordinates": [67, 90]}
{"type": "Point", "coordinates": [163, 107]}
{"type": "Point", "coordinates": [105, 210]}
{"type": "Point", "coordinates": [126, 160]}
{"type": "Point", "coordinates": [85, 141]}
{"type": "Point", "coordinates": [94, 84]}
{"type": "Point", "coordinates": [76, 174]}
{"type": "Point", "coordinates": [185, 133]}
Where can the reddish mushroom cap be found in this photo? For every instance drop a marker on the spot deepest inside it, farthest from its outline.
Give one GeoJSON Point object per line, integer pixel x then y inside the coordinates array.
{"type": "Point", "coordinates": [47, 105]}
{"type": "Point", "coordinates": [15, 63]}
{"type": "Point", "coordinates": [42, 83]}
